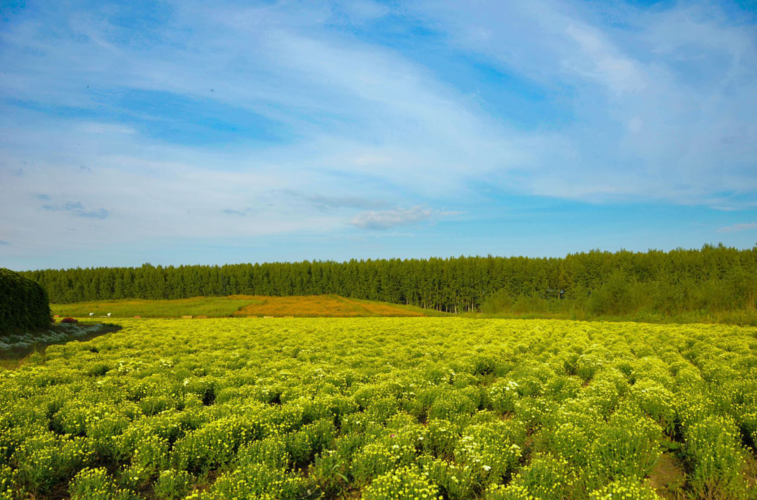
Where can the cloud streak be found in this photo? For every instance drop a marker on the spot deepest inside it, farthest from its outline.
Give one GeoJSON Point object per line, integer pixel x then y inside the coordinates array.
{"type": "Point", "coordinates": [749, 226]}
{"type": "Point", "coordinates": [77, 209]}
{"type": "Point", "coordinates": [387, 219]}
{"type": "Point", "coordinates": [239, 213]}
{"type": "Point", "coordinates": [326, 202]}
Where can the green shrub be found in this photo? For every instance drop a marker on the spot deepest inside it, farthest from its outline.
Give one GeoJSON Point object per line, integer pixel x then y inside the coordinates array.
{"type": "Point", "coordinates": [303, 445]}
{"type": "Point", "coordinates": [508, 492]}
{"type": "Point", "coordinates": [491, 450]}
{"type": "Point", "coordinates": [375, 459]}
{"type": "Point", "coordinates": [95, 484]}
{"type": "Point", "coordinates": [329, 473]}
{"type": "Point", "coordinates": [656, 401]}
{"type": "Point", "coordinates": [402, 484]}
{"type": "Point", "coordinates": [503, 395]}
{"type": "Point", "coordinates": [149, 458]}
{"type": "Point", "coordinates": [271, 451]}
{"type": "Point", "coordinates": [624, 489]}
{"type": "Point", "coordinates": [455, 481]}
{"type": "Point", "coordinates": [546, 478]}
{"type": "Point", "coordinates": [627, 447]}
{"type": "Point", "coordinates": [173, 485]}
{"type": "Point", "coordinates": [451, 406]}
{"type": "Point", "coordinates": [6, 482]}
{"type": "Point", "coordinates": [440, 438]}
{"type": "Point", "coordinates": [258, 481]}
{"type": "Point", "coordinates": [217, 443]}
{"type": "Point", "coordinates": [24, 303]}
{"type": "Point", "coordinates": [46, 460]}
{"type": "Point", "coordinates": [713, 449]}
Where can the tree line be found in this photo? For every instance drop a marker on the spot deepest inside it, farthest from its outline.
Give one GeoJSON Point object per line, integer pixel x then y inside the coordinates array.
{"type": "Point", "coordinates": [713, 276]}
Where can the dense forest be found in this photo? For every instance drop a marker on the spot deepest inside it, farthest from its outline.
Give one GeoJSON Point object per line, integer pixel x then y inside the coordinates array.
{"type": "Point", "coordinates": [24, 303]}
{"type": "Point", "coordinates": [711, 279]}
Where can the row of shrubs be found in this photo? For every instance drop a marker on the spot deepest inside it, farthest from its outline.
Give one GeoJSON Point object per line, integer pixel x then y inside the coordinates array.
{"type": "Point", "coordinates": [24, 304]}
{"type": "Point", "coordinates": [389, 408]}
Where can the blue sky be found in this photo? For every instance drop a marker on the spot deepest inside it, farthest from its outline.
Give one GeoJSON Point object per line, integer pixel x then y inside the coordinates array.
{"type": "Point", "coordinates": [194, 132]}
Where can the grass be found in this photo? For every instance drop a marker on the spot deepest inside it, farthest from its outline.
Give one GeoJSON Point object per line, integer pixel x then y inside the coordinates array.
{"type": "Point", "coordinates": [404, 307]}
{"type": "Point", "coordinates": [241, 305]}
{"type": "Point", "coordinates": [212, 307]}
{"type": "Point", "coordinates": [335, 306]}
{"type": "Point", "coordinates": [332, 306]}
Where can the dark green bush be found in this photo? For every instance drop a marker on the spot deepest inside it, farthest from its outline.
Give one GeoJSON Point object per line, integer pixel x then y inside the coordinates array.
{"type": "Point", "coordinates": [23, 303]}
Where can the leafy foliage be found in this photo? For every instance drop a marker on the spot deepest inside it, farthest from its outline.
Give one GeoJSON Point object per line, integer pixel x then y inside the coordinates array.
{"type": "Point", "coordinates": [24, 304]}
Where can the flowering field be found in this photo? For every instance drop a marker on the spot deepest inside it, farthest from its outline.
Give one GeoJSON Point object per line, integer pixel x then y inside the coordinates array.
{"type": "Point", "coordinates": [385, 408]}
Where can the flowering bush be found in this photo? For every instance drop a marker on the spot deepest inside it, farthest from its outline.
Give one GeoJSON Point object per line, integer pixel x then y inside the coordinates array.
{"type": "Point", "coordinates": [95, 484]}
{"type": "Point", "coordinates": [173, 485]}
{"type": "Point", "coordinates": [714, 450]}
{"type": "Point", "coordinates": [6, 483]}
{"type": "Point", "coordinates": [625, 489]}
{"type": "Point", "coordinates": [259, 481]}
{"type": "Point", "coordinates": [402, 484]}
{"type": "Point", "coordinates": [546, 478]}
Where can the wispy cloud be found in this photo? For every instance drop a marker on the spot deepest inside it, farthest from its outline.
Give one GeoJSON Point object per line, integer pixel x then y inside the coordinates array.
{"type": "Point", "coordinates": [229, 211]}
{"type": "Point", "coordinates": [77, 209]}
{"type": "Point", "coordinates": [326, 202]}
{"type": "Point", "coordinates": [749, 226]}
{"type": "Point", "coordinates": [386, 219]}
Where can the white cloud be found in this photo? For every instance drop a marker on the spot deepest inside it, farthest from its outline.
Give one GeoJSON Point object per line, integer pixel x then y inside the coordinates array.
{"type": "Point", "coordinates": [386, 219]}
{"type": "Point", "coordinates": [598, 60]}
{"type": "Point", "coordinates": [663, 101]}
{"type": "Point", "coordinates": [103, 128]}
{"type": "Point", "coordinates": [635, 124]}
{"type": "Point", "coordinates": [738, 227]}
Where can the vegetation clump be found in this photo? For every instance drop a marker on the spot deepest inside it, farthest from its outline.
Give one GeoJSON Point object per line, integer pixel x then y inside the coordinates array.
{"type": "Point", "coordinates": [24, 305]}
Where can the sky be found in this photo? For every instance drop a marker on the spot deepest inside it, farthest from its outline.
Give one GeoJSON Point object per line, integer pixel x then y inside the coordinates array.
{"type": "Point", "coordinates": [222, 132]}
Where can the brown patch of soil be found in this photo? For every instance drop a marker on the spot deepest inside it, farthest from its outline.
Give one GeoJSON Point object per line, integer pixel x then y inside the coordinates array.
{"type": "Point", "coordinates": [750, 471]}
{"type": "Point", "coordinates": [668, 477]}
